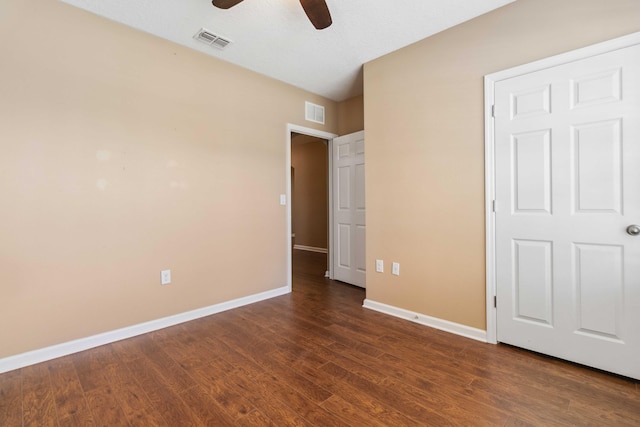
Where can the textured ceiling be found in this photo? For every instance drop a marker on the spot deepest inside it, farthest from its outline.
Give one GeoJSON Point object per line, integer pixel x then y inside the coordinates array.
{"type": "Point", "coordinates": [274, 37]}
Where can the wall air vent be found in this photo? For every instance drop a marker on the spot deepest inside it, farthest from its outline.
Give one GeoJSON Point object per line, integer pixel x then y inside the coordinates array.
{"type": "Point", "coordinates": [207, 37]}
{"type": "Point", "coordinates": [313, 112]}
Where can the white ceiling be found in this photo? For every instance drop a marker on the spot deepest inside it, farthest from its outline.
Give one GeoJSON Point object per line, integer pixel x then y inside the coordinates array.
{"type": "Point", "coordinates": [275, 38]}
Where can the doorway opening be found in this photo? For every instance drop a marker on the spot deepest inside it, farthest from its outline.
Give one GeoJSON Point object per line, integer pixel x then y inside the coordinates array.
{"type": "Point", "coordinates": [310, 203]}
{"type": "Point", "coordinates": [311, 225]}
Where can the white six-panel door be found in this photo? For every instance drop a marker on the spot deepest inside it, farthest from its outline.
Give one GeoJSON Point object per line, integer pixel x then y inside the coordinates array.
{"type": "Point", "coordinates": [567, 186]}
{"type": "Point", "coordinates": [349, 209]}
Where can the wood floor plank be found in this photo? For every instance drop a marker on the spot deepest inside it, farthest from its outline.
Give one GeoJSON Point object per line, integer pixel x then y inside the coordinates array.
{"type": "Point", "coordinates": [249, 345]}
{"type": "Point", "coordinates": [38, 405]}
{"type": "Point", "coordinates": [233, 358]}
{"type": "Point", "coordinates": [180, 346]}
{"type": "Point", "coordinates": [172, 373]}
{"type": "Point", "coordinates": [602, 414]}
{"type": "Point", "coordinates": [129, 350]}
{"type": "Point", "coordinates": [358, 397]}
{"type": "Point", "coordinates": [518, 397]}
{"type": "Point", "coordinates": [296, 355]}
{"type": "Point", "coordinates": [136, 405]}
{"type": "Point", "coordinates": [563, 386]}
{"type": "Point", "coordinates": [105, 407]}
{"type": "Point", "coordinates": [206, 408]}
{"type": "Point", "coordinates": [279, 368]}
{"type": "Point", "coordinates": [434, 370]}
{"type": "Point", "coordinates": [286, 344]}
{"type": "Point", "coordinates": [405, 403]}
{"type": "Point", "coordinates": [330, 336]}
{"type": "Point", "coordinates": [514, 421]}
{"type": "Point", "coordinates": [264, 402]}
{"type": "Point", "coordinates": [295, 380]}
{"type": "Point", "coordinates": [163, 398]}
{"type": "Point", "coordinates": [531, 404]}
{"type": "Point", "coordinates": [455, 407]}
{"type": "Point", "coordinates": [545, 373]}
{"type": "Point", "coordinates": [72, 407]}
{"type": "Point", "coordinates": [399, 377]}
{"type": "Point", "coordinates": [354, 415]}
{"type": "Point", "coordinates": [213, 379]}
{"type": "Point", "coordinates": [74, 421]}
{"type": "Point", "coordinates": [11, 398]}
{"type": "Point", "coordinates": [296, 330]}
{"type": "Point", "coordinates": [302, 405]}
{"type": "Point", "coordinates": [90, 366]}
{"type": "Point", "coordinates": [296, 361]}
{"type": "Point", "coordinates": [382, 368]}
{"type": "Point", "coordinates": [255, 419]}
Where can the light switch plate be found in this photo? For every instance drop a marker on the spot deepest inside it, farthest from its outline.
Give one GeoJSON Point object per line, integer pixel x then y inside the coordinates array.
{"type": "Point", "coordinates": [380, 266]}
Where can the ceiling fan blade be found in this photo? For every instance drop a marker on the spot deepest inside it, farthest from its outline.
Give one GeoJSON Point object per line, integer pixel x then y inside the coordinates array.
{"type": "Point", "coordinates": [318, 13]}
{"type": "Point", "coordinates": [225, 4]}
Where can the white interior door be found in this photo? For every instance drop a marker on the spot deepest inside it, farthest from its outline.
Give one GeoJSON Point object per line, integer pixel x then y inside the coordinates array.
{"type": "Point", "coordinates": [349, 209]}
{"type": "Point", "coordinates": [567, 156]}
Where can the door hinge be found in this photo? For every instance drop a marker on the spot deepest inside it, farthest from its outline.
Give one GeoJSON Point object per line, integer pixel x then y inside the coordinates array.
{"type": "Point", "coordinates": [495, 301]}
{"type": "Point", "coordinates": [493, 205]}
{"type": "Point", "coordinates": [493, 110]}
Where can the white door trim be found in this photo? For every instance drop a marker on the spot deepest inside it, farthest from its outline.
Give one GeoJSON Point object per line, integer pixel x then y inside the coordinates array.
{"type": "Point", "coordinates": [318, 134]}
{"type": "Point", "coordinates": [489, 83]}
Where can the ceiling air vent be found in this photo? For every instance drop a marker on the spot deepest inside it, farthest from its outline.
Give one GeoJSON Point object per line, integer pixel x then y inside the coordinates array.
{"type": "Point", "coordinates": [207, 37]}
{"type": "Point", "coordinates": [314, 113]}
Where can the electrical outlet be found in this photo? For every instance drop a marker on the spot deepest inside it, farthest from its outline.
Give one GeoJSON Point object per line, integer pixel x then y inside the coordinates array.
{"type": "Point", "coordinates": [395, 268]}
{"type": "Point", "coordinates": [380, 266]}
{"type": "Point", "coordinates": [165, 277]}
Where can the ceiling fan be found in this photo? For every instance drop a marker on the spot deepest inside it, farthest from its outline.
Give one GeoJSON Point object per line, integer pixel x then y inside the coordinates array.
{"type": "Point", "coordinates": [316, 10]}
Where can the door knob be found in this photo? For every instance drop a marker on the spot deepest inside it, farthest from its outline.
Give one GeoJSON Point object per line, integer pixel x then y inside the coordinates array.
{"type": "Point", "coordinates": [633, 229]}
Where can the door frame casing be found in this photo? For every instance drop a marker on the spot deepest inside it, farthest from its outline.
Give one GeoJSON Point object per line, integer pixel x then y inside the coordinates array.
{"type": "Point", "coordinates": [329, 138]}
{"type": "Point", "coordinates": [489, 101]}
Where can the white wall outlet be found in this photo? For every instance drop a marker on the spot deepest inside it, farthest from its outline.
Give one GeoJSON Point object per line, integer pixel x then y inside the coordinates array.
{"type": "Point", "coordinates": [395, 268]}
{"type": "Point", "coordinates": [165, 277]}
{"type": "Point", "coordinates": [380, 266]}
{"type": "Point", "coordinates": [283, 199]}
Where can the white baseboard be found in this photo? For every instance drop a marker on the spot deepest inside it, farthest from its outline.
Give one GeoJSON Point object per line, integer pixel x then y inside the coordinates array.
{"type": "Point", "coordinates": [310, 249]}
{"type": "Point", "coordinates": [433, 322]}
{"type": "Point", "coordinates": [42, 355]}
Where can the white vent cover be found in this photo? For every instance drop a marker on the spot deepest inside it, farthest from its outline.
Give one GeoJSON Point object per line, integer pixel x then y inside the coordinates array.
{"type": "Point", "coordinates": [314, 113]}
{"type": "Point", "coordinates": [207, 37]}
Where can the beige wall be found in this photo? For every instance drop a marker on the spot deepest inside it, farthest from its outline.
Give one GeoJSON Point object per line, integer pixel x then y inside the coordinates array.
{"type": "Point", "coordinates": [351, 115]}
{"type": "Point", "coordinates": [122, 155]}
{"type": "Point", "coordinates": [310, 207]}
{"type": "Point", "coordinates": [425, 146]}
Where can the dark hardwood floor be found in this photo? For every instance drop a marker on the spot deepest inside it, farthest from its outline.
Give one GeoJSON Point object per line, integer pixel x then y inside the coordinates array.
{"type": "Point", "coordinates": [314, 357]}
